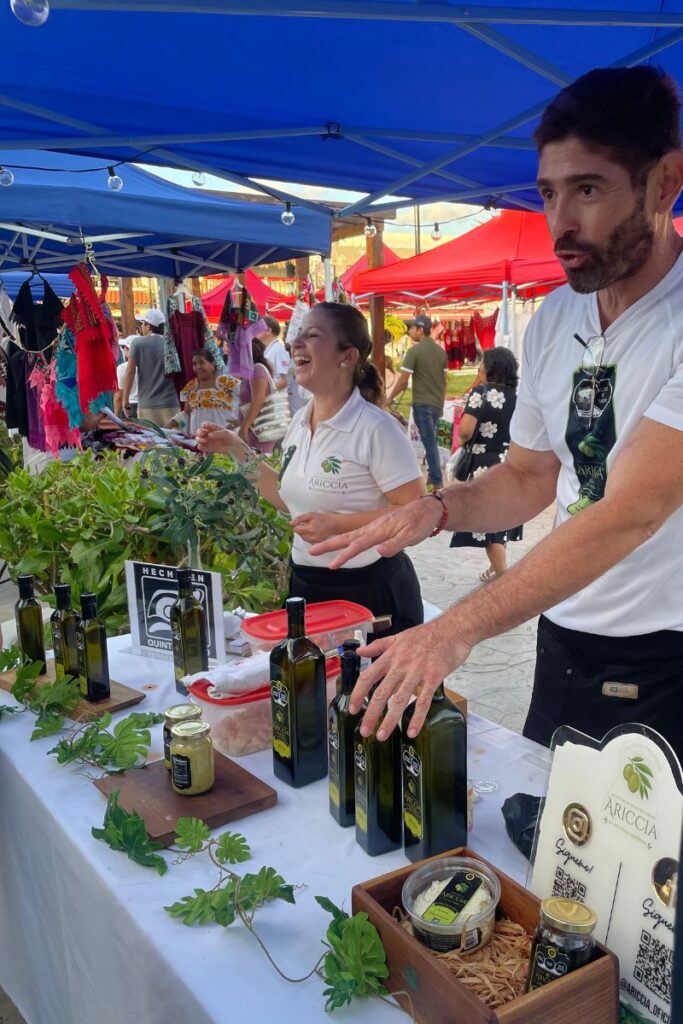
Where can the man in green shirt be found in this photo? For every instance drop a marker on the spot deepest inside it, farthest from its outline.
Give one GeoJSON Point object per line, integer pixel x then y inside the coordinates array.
{"type": "Point", "coordinates": [426, 364]}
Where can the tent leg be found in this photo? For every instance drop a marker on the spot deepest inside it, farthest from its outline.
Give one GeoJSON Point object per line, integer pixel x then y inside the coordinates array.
{"type": "Point", "coordinates": [327, 267]}
{"type": "Point", "coordinates": [374, 250]}
{"type": "Point", "coordinates": [506, 318]}
{"type": "Point", "coordinates": [513, 324]}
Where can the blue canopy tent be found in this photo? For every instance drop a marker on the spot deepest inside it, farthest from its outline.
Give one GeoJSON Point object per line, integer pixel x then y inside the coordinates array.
{"type": "Point", "coordinates": [61, 284]}
{"type": "Point", "coordinates": [151, 227]}
{"type": "Point", "coordinates": [425, 100]}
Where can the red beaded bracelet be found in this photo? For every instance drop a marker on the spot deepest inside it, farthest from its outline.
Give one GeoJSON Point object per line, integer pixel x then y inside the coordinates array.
{"type": "Point", "coordinates": [438, 495]}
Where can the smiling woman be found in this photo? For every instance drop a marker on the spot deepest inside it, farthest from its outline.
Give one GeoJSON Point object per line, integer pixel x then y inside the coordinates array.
{"type": "Point", "coordinates": [345, 461]}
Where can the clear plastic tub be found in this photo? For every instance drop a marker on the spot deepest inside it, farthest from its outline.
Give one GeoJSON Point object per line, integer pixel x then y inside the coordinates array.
{"type": "Point", "coordinates": [240, 724]}
{"type": "Point", "coordinates": [464, 932]}
{"type": "Point", "coordinates": [328, 623]}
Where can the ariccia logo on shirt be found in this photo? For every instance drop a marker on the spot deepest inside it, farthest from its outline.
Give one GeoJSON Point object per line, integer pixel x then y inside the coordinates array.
{"type": "Point", "coordinates": [332, 464]}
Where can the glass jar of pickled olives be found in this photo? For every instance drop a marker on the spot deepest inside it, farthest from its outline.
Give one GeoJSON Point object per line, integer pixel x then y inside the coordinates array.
{"type": "Point", "coordinates": [562, 942]}
{"type": "Point", "coordinates": [192, 770]}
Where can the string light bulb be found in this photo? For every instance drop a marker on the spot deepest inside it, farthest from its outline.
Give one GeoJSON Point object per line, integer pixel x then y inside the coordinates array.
{"type": "Point", "coordinates": [33, 13]}
{"type": "Point", "coordinates": [370, 229]}
{"type": "Point", "coordinates": [287, 217]}
{"type": "Point", "coordinates": [436, 234]}
{"type": "Point", "coordinates": [113, 181]}
{"type": "Point", "coordinates": [199, 179]}
{"type": "Point", "coordinates": [6, 177]}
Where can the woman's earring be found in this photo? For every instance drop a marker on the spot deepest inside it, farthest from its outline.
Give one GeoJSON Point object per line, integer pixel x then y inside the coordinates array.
{"type": "Point", "coordinates": [344, 364]}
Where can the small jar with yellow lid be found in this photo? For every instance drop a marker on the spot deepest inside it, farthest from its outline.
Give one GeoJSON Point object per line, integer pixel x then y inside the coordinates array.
{"type": "Point", "coordinates": [562, 942]}
{"type": "Point", "coordinates": [173, 716]}
{"type": "Point", "coordinates": [192, 770]}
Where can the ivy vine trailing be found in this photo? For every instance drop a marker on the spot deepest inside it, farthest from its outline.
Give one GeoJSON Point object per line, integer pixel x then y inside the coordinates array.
{"type": "Point", "coordinates": [353, 963]}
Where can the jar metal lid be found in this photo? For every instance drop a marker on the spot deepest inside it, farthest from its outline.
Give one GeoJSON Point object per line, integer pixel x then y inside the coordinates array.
{"type": "Point", "coordinates": [180, 712]}
{"type": "Point", "coordinates": [568, 915]}
{"type": "Point", "coordinates": [190, 730]}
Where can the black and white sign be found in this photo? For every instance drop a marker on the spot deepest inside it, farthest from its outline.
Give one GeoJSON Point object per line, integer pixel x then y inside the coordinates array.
{"type": "Point", "coordinates": [152, 589]}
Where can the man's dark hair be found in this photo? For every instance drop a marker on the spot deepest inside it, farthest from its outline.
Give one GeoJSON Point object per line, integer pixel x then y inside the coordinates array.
{"type": "Point", "coordinates": [273, 325]}
{"type": "Point", "coordinates": [156, 329]}
{"type": "Point", "coordinates": [632, 113]}
{"type": "Point", "coordinates": [501, 367]}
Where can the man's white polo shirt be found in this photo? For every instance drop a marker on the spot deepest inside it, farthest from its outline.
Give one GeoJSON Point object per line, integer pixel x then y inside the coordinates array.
{"type": "Point", "coordinates": [347, 465]}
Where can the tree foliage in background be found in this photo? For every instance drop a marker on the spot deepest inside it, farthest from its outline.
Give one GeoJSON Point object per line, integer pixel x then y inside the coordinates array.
{"type": "Point", "coordinates": [78, 522]}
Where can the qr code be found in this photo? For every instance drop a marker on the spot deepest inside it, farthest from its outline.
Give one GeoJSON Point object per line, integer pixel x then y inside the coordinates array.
{"type": "Point", "coordinates": [566, 885]}
{"type": "Point", "coordinates": [654, 964]}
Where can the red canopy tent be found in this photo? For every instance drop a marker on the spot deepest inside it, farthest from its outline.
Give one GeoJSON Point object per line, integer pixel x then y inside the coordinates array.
{"type": "Point", "coordinates": [359, 267]}
{"type": "Point", "coordinates": [266, 298]}
{"type": "Point", "coordinates": [514, 247]}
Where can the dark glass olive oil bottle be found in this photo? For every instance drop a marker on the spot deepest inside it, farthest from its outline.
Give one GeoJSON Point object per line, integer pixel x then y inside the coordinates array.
{"type": "Point", "coordinates": [434, 780]}
{"type": "Point", "coordinates": [63, 623]}
{"type": "Point", "coordinates": [189, 632]}
{"type": "Point", "coordinates": [377, 784]}
{"type": "Point", "coordinates": [298, 702]}
{"type": "Point", "coordinates": [341, 728]}
{"type": "Point", "coordinates": [29, 620]}
{"type": "Point", "coordinates": [93, 661]}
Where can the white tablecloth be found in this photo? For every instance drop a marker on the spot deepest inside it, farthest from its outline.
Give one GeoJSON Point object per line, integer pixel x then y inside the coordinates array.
{"type": "Point", "coordinates": [84, 938]}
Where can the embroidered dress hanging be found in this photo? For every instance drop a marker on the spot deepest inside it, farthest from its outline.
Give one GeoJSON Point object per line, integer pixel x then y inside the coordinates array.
{"type": "Point", "coordinates": [485, 329]}
{"type": "Point", "coordinates": [55, 421]}
{"type": "Point", "coordinates": [87, 320]}
{"type": "Point", "coordinates": [238, 326]}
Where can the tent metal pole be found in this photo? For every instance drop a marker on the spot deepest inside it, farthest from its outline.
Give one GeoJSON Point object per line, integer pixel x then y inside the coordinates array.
{"type": "Point", "coordinates": [505, 311]}
{"type": "Point", "coordinates": [513, 324]}
{"type": "Point", "coordinates": [447, 138]}
{"type": "Point", "coordinates": [454, 197]}
{"type": "Point", "coordinates": [327, 269]}
{"type": "Point", "coordinates": [145, 141]}
{"type": "Point", "coordinates": [503, 44]}
{"type": "Point", "coordinates": [371, 10]}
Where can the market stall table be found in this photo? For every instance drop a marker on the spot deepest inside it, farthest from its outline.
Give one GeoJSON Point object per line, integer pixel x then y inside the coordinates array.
{"type": "Point", "coordinates": [85, 936]}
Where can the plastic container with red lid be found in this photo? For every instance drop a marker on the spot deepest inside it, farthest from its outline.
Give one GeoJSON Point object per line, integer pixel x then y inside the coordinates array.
{"type": "Point", "coordinates": [241, 723]}
{"type": "Point", "coordinates": [328, 623]}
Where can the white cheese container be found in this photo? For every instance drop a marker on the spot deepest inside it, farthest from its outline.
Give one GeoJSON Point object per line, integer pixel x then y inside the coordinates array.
{"type": "Point", "coordinates": [451, 903]}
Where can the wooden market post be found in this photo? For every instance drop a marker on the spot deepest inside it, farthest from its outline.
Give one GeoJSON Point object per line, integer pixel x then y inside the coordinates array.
{"type": "Point", "coordinates": [127, 304]}
{"type": "Point", "coordinates": [374, 248]}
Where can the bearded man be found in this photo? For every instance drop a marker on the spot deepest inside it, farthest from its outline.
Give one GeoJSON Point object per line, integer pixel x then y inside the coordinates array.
{"type": "Point", "coordinates": [598, 428]}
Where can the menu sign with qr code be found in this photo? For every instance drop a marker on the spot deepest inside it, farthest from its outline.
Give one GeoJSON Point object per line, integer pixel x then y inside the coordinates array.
{"type": "Point", "coordinates": [152, 589]}
{"type": "Point", "coordinates": [609, 836]}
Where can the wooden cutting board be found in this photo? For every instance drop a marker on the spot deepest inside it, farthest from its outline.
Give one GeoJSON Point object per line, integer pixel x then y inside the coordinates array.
{"type": "Point", "coordinates": [236, 793]}
{"type": "Point", "coordinates": [85, 711]}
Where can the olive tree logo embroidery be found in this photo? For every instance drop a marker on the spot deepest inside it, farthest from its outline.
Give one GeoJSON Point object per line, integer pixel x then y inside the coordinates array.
{"type": "Point", "coordinates": [638, 777]}
{"type": "Point", "coordinates": [332, 464]}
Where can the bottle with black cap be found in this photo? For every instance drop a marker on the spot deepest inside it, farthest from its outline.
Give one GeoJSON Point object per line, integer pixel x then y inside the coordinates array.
{"type": "Point", "coordinates": [63, 623]}
{"type": "Point", "coordinates": [93, 661]}
{"type": "Point", "coordinates": [189, 632]}
{"type": "Point", "coordinates": [29, 620]}
{"type": "Point", "coordinates": [298, 703]}
{"type": "Point", "coordinates": [346, 645]}
{"type": "Point", "coordinates": [341, 726]}
{"type": "Point", "coordinates": [377, 784]}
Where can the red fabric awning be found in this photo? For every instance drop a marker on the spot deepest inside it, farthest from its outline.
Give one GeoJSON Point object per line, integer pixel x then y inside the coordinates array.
{"type": "Point", "coordinates": [359, 267]}
{"type": "Point", "coordinates": [266, 298]}
{"type": "Point", "coordinates": [514, 247]}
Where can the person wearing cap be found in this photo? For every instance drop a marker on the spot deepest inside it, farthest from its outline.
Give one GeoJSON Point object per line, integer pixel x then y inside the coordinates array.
{"type": "Point", "coordinates": [426, 365]}
{"type": "Point", "coordinates": [157, 396]}
{"type": "Point", "coordinates": [124, 345]}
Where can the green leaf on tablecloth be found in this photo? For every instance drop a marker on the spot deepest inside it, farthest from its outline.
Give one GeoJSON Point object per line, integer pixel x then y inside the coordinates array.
{"type": "Point", "coordinates": [355, 966]}
{"type": "Point", "coordinates": [263, 887]}
{"type": "Point", "coordinates": [83, 747]}
{"type": "Point", "coordinates": [195, 909]}
{"type": "Point", "coordinates": [7, 709]}
{"type": "Point", "coordinates": [125, 831]}
{"type": "Point", "coordinates": [10, 657]}
{"type": "Point", "coordinates": [338, 915]}
{"type": "Point", "coordinates": [223, 903]}
{"type": "Point", "coordinates": [58, 697]}
{"type": "Point", "coordinates": [191, 834]}
{"type": "Point", "coordinates": [126, 746]}
{"type": "Point", "coordinates": [25, 680]}
{"type": "Point", "coordinates": [47, 724]}
{"type": "Point", "coordinates": [232, 848]}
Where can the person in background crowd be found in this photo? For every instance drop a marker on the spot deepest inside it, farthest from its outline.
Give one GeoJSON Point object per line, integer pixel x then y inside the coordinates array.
{"type": "Point", "coordinates": [124, 345]}
{"type": "Point", "coordinates": [425, 364]}
{"type": "Point", "coordinates": [598, 429]}
{"type": "Point", "coordinates": [253, 394]}
{"type": "Point", "coordinates": [485, 434]}
{"type": "Point", "coordinates": [210, 397]}
{"type": "Point", "coordinates": [390, 374]}
{"type": "Point", "coordinates": [345, 460]}
{"type": "Point", "coordinates": [157, 398]}
{"type": "Point", "coordinates": [275, 352]}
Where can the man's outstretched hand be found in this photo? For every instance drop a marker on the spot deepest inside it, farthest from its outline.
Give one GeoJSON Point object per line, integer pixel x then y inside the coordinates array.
{"type": "Point", "coordinates": [420, 658]}
{"type": "Point", "coordinates": [398, 529]}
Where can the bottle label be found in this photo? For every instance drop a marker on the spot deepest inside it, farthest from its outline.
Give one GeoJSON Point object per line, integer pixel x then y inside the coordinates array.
{"type": "Point", "coordinates": [548, 963]}
{"type": "Point", "coordinates": [178, 653]}
{"type": "Point", "coordinates": [282, 724]}
{"type": "Point", "coordinates": [58, 651]}
{"type": "Point", "coordinates": [333, 760]}
{"type": "Point", "coordinates": [361, 786]}
{"type": "Point", "coordinates": [181, 771]}
{"type": "Point", "coordinates": [452, 900]}
{"type": "Point", "coordinates": [82, 664]}
{"type": "Point", "coordinates": [413, 792]}
{"type": "Point", "coordinates": [167, 745]}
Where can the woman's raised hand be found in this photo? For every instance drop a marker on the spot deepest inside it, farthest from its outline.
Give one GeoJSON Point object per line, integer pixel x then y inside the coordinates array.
{"type": "Point", "coordinates": [214, 439]}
